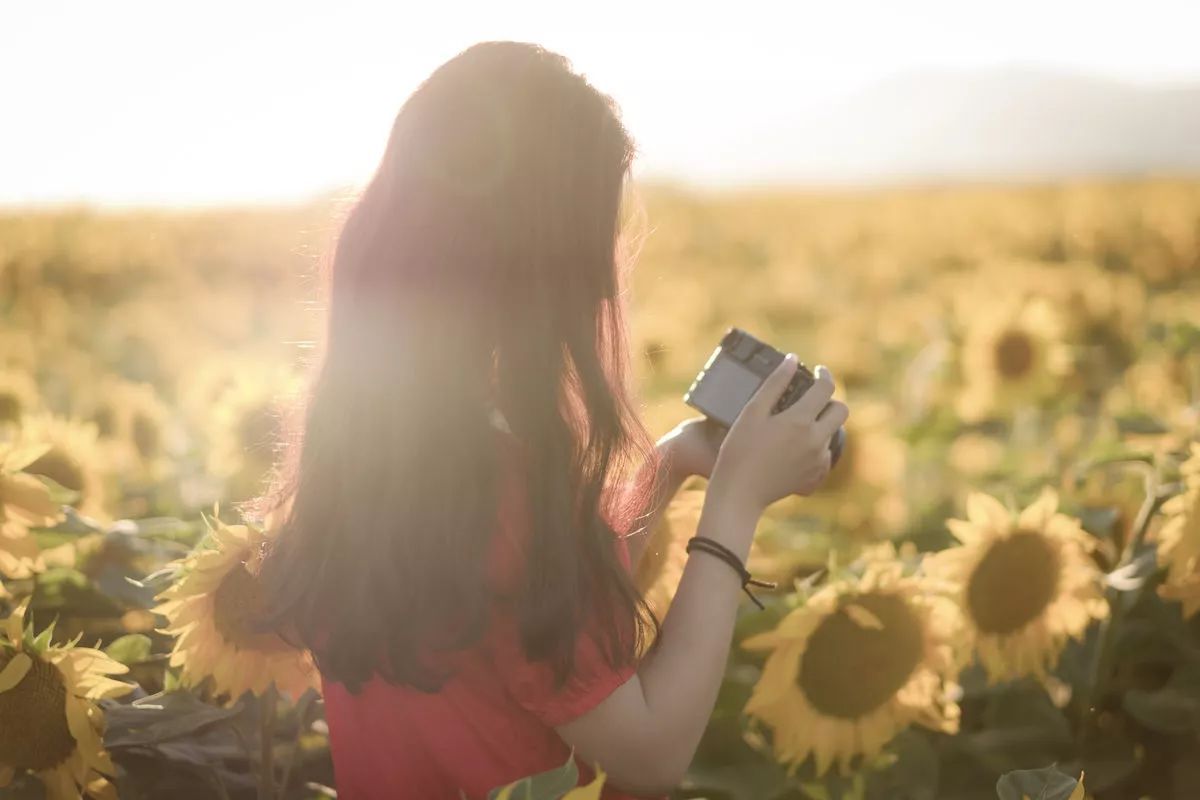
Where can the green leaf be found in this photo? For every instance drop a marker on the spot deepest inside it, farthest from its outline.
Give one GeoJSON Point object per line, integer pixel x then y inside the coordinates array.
{"type": "Point", "coordinates": [1036, 784]}
{"type": "Point", "coordinates": [1108, 760]}
{"type": "Point", "coordinates": [157, 718]}
{"type": "Point", "coordinates": [1175, 708]}
{"type": "Point", "coordinates": [1140, 423]}
{"type": "Point", "coordinates": [131, 649]}
{"type": "Point", "coordinates": [914, 773]}
{"type": "Point", "coordinates": [1019, 726]}
{"type": "Point", "coordinates": [549, 785]}
{"type": "Point", "coordinates": [40, 642]}
{"type": "Point", "coordinates": [59, 493]}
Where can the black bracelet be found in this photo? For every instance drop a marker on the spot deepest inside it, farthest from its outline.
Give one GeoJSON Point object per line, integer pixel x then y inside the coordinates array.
{"type": "Point", "coordinates": [715, 548]}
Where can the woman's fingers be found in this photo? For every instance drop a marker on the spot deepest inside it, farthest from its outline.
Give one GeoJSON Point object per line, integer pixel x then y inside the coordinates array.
{"type": "Point", "coordinates": [831, 418]}
{"type": "Point", "coordinates": [810, 404]}
{"type": "Point", "coordinates": [772, 388]}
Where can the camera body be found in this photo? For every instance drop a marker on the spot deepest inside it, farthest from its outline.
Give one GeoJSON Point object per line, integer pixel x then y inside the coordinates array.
{"type": "Point", "coordinates": [733, 374]}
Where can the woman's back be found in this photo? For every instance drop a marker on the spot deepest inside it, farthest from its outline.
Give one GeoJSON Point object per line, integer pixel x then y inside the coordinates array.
{"type": "Point", "coordinates": [491, 721]}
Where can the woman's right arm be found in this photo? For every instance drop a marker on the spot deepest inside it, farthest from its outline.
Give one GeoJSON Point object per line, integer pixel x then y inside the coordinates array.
{"type": "Point", "coordinates": [645, 733]}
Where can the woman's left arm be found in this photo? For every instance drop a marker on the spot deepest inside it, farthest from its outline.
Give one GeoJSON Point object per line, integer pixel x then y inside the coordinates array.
{"type": "Point", "coordinates": [690, 449]}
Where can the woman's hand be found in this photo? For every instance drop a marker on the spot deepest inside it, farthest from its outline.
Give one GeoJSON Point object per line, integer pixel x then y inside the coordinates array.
{"type": "Point", "coordinates": [767, 456]}
{"type": "Point", "coordinates": [691, 448]}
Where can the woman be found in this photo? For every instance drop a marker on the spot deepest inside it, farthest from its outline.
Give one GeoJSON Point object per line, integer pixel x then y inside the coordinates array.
{"type": "Point", "coordinates": [456, 549]}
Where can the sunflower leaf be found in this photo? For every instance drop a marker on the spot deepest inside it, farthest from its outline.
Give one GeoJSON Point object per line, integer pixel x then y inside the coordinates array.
{"type": "Point", "coordinates": [1140, 423]}
{"type": "Point", "coordinates": [1175, 708]}
{"type": "Point", "coordinates": [131, 649]}
{"type": "Point", "coordinates": [1040, 784]}
{"type": "Point", "coordinates": [549, 785]}
{"type": "Point", "coordinates": [162, 717]}
{"type": "Point", "coordinates": [59, 494]}
{"type": "Point", "coordinates": [43, 639]}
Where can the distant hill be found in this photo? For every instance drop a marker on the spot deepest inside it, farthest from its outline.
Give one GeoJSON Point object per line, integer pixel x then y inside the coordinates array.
{"type": "Point", "coordinates": [1016, 123]}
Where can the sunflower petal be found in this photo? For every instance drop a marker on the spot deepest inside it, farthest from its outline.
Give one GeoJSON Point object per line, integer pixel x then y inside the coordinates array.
{"type": "Point", "coordinates": [14, 672]}
{"type": "Point", "coordinates": [863, 618]}
{"type": "Point", "coordinates": [28, 500]}
{"type": "Point", "coordinates": [986, 510]}
{"type": "Point", "coordinates": [101, 789]}
{"type": "Point", "coordinates": [18, 458]}
{"type": "Point", "coordinates": [14, 626]}
{"type": "Point", "coordinates": [1037, 515]}
{"type": "Point", "coordinates": [589, 792]}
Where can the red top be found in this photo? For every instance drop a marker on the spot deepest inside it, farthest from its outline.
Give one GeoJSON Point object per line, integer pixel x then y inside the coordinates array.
{"type": "Point", "coordinates": [490, 724]}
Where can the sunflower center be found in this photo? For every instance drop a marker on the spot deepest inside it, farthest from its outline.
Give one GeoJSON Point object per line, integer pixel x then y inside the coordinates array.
{"type": "Point", "coordinates": [1013, 583]}
{"type": "Point", "coordinates": [106, 421]}
{"type": "Point", "coordinates": [1014, 355]}
{"type": "Point", "coordinates": [10, 408]}
{"type": "Point", "coordinates": [42, 740]}
{"type": "Point", "coordinates": [236, 604]}
{"type": "Point", "coordinates": [58, 467]}
{"type": "Point", "coordinates": [258, 430]}
{"type": "Point", "coordinates": [848, 670]}
{"type": "Point", "coordinates": [146, 436]}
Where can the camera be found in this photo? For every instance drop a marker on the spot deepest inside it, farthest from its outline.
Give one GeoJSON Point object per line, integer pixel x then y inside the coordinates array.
{"type": "Point", "coordinates": [733, 374]}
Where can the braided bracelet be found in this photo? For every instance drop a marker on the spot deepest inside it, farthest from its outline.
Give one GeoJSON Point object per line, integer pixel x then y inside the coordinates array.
{"type": "Point", "coordinates": [715, 548]}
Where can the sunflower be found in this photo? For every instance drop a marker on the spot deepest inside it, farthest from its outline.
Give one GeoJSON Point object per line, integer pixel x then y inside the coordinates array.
{"type": "Point", "coordinates": [1179, 540]}
{"type": "Point", "coordinates": [49, 721]}
{"type": "Point", "coordinates": [73, 459]}
{"type": "Point", "coordinates": [211, 609]}
{"type": "Point", "coordinates": [246, 429]}
{"type": "Point", "coordinates": [24, 502]}
{"type": "Point", "coordinates": [132, 420]}
{"type": "Point", "coordinates": [1012, 355]}
{"type": "Point", "coordinates": [1025, 584]}
{"type": "Point", "coordinates": [863, 494]}
{"type": "Point", "coordinates": [18, 396]}
{"type": "Point", "coordinates": [860, 661]}
{"type": "Point", "coordinates": [974, 454]}
{"type": "Point", "coordinates": [18, 349]}
{"type": "Point", "coordinates": [661, 566]}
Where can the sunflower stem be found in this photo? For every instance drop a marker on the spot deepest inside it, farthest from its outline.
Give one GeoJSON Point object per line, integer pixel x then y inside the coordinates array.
{"type": "Point", "coordinates": [301, 726]}
{"type": "Point", "coordinates": [266, 766]}
{"type": "Point", "coordinates": [1102, 666]}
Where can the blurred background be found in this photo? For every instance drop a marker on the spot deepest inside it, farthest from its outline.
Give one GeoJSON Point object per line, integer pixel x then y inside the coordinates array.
{"type": "Point", "coordinates": [148, 103]}
{"type": "Point", "coordinates": [984, 217]}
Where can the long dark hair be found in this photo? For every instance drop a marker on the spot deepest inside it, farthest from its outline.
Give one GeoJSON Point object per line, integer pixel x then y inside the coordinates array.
{"type": "Point", "coordinates": [479, 269]}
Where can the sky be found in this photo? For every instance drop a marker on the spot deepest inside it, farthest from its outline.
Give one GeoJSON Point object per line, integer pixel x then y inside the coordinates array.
{"type": "Point", "coordinates": [247, 101]}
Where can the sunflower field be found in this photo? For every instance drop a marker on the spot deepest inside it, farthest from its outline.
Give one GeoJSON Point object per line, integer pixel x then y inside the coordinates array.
{"type": "Point", "coordinates": [995, 593]}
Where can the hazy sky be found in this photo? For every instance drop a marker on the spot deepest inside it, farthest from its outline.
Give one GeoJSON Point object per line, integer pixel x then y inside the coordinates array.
{"type": "Point", "coordinates": [249, 100]}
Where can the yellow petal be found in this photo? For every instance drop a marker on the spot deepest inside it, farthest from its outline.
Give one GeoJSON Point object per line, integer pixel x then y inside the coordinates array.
{"type": "Point", "coordinates": [1079, 793]}
{"type": "Point", "coordinates": [1039, 513]}
{"type": "Point", "coordinates": [15, 624]}
{"type": "Point", "coordinates": [28, 500]}
{"type": "Point", "coordinates": [986, 510]}
{"type": "Point", "coordinates": [87, 740]}
{"type": "Point", "coordinates": [966, 532]}
{"type": "Point", "coordinates": [863, 618]}
{"type": "Point", "coordinates": [14, 672]}
{"type": "Point", "coordinates": [19, 458]}
{"type": "Point", "coordinates": [589, 792]}
{"type": "Point", "coordinates": [101, 789]}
